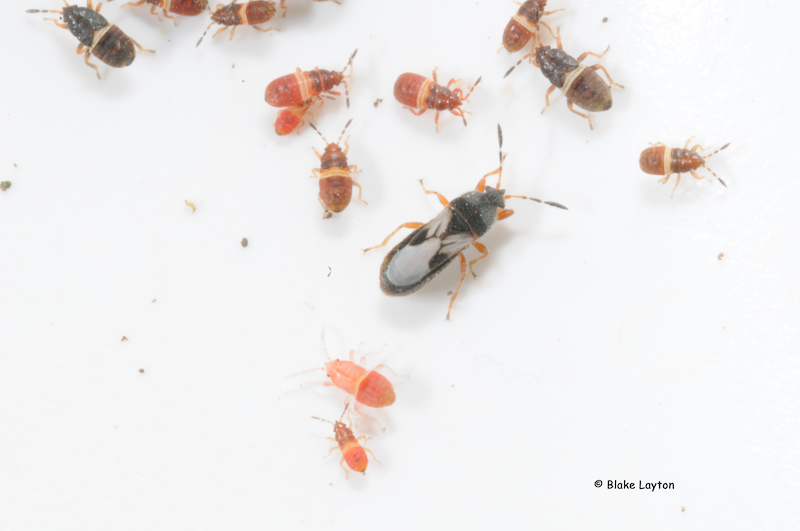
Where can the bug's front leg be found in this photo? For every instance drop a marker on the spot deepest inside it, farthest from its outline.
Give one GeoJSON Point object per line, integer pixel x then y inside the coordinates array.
{"type": "Point", "coordinates": [442, 199]}
{"type": "Point", "coordinates": [460, 283]}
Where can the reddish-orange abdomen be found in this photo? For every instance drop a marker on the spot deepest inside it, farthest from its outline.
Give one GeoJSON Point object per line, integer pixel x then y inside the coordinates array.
{"type": "Point", "coordinates": [189, 8]}
{"type": "Point", "coordinates": [652, 160]}
{"type": "Point", "coordinates": [354, 455]}
{"type": "Point", "coordinates": [523, 25]}
{"type": "Point", "coordinates": [369, 387]}
{"type": "Point", "coordinates": [291, 117]}
{"type": "Point", "coordinates": [420, 92]}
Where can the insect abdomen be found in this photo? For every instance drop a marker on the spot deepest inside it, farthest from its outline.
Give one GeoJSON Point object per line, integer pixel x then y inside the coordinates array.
{"type": "Point", "coordinates": [335, 191]}
{"type": "Point", "coordinates": [522, 26]}
{"type": "Point", "coordinates": [187, 8]}
{"type": "Point", "coordinates": [652, 160]}
{"type": "Point", "coordinates": [114, 48]}
{"type": "Point", "coordinates": [259, 11]}
{"type": "Point", "coordinates": [588, 91]}
{"type": "Point", "coordinates": [353, 453]}
{"type": "Point", "coordinates": [375, 390]}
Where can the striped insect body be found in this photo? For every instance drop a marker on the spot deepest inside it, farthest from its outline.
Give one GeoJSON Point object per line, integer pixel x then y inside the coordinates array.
{"type": "Point", "coordinates": [353, 453]}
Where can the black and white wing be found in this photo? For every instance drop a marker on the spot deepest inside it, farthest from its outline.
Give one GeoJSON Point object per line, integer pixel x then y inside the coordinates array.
{"type": "Point", "coordinates": [424, 254]}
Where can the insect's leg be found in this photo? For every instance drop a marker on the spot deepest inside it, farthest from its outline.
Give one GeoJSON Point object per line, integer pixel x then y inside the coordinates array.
{"type": "Point", "coordinates": [132, 3]}
{"type": "Point", "coordinates": [317, 152]}
{"type": "Point", "coordinates": [677, 182]}
{"type": "Point", "coordinates": [167, 15]}
{"type": "Point", "coordinates": [547, 97]}
{"type": "Point", "coordinates": [89, 4]}
{"type": "Point", "coordinates": [220, 30]}
{"type": "Point", "coordinates": [80, 49]}
{"type": "Point", "coordinates": [451, 82]}
{"type": "Point", "coordinates": [505, 213]}
{"type": "Point", "coordinates": [557, 36]}
{"type": "Point", "coordinates": [364, 437]}
{"type": "Point", "coordinates": [337, 2]}
{"type": "Point", "coordinates": [346, 473]}
{"type": "Point", "coordinates": [359, 192]}
{"type": "Point", "coordinates": [434, 75]}
{"type": "Point", "coordinates": [437, 121]}
{"type": "Point", "coordinates": [588, 117]}
{"type": "Point", "coordinates": [584, 55]}
{"type": "Point", "coordinates": [86, 60]}
{"type": "Point", "coordinates": [657, 144]}
{"type": "Point", "coordinates": [410, 225]}
{"type": "Point", "coordinates": [265, 30]}
{"type": "Point", "coordinates": [353, 169]}
{"type": "Point", "coordinates": [383, 366]}
{"type": "Point", "coordinates": [139, 46]}
{"type": "Point", "coordinates": [697, 147]}
{"type": "Point", "coordinates": [233, 30]}
{"type": "Point", "coordinates": [57, 23]}
{"type": "Point", "coordinates": [481, 249]}
{"type": "Point", "coordinates": [462, 113]}
{"type": "Point", "coordinates": [326, 214]}
{"type": "Point", "coordinates": [482, 183]}
{"type": "Point", "coordinates": [665, 179]}
{"type": "Point", "coordinates": [324, 384]}
{"type": "Point", "coordinates": [283, 6]}
{"type": "Point", "coordinates": [315, 173]}
{"type": "Point", "coordinates": [696, 176]}
{"type": "Point", "coordinates": [357, 409]}
{"type": "Point", "coordinates": [551, 12]}
{"type": "Point", "coordinates": [442, 199]}
{"type": "Point", "coordinates": [460, 282]}
{"type": "Point", "coordinates": [610, 81]}
{"type": "Point", "coordinates": [373, 455]}
{"type": "Point", "coordinates": [415, 113]}
{"type": "Point", "coordinates": [332, 449]}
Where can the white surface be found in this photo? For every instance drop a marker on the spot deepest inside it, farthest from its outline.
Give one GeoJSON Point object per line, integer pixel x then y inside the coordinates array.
{"type": "Point", "coordinates": [607, 342]}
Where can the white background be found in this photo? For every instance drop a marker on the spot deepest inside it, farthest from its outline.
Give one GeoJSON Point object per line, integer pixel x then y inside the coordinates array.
{"type": "Point", "coordinates": [606, 342]}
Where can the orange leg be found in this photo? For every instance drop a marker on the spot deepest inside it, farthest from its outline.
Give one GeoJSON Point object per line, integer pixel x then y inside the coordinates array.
{"type": "Point", "coordinates": [696, 176]}
{"type": "Point", "coordinates": [588, 117]}
{"type": "Point", "coordinates": [86, 60]}
{"type": "Point", "coordinates": [265, 30]}
{"type": "Point", "coordinates": [434, 75]}
{"type": "Point", "coordinates": [359, 192]}
{"type": "Point", "coordinates": [415, 113]}
{"type": "Point", "coordinates": [80, 49]}
{"type": "Point", "coordinates": [665, 179]}
{"type": "Point", "coordinates": [677, 182]}
{"type": "Point", "coordinates": [610, 81]}
{"type": "Point", "coordinates": [134, 4]}
{"type": "Point", "coordinates": [410, 225]}
{"type": "Point", "coordinates": [167, 15]}
{"type": "Point", "coordinates": [584, 55]}
{"type": "Point", "coordinates": [505, 213]}
{"type": "Point", "coordinates": [373, 455]}
{"type": "Point", "coordinates": [57, 23]}
{"type": "Point", "coordinates": [482, 249]}
{"type": "Point", "coordinates": [547, 97]}
{"type": "Point", "coordinates": [436, 121]}
{"type": "Point", "coordinates": [154, 12]}
{"type": "Point", "coordinates": [482, 183]}
{"type": "Point", "coordinates": [315, 173]}
{"type": "Point", "coordinates": [220, 30]}
{"type": "Point", "coordinates": [317, 152]}
{"type": "Point", "coordinates": [460, 283]}
{"type": "Point", "coordinates": [442, 199]}
{"type": "Point", "coordinates": [139, 47]}
{"type": "Point", "coordinates": [346, 473]}
{"type": "Point", "coordinates": [233, 30]}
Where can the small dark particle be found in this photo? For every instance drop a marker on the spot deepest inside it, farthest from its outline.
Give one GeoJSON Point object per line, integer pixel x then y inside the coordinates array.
{"type": "Point", "coordinates": [720, 256]}
{"type": "Point", "coordinates": [141, 370]}
{"type": "Point", "coordinates": [5, 185]}
{"type": "Point", "coordinates": [154, 300]}
{"type": "Point", "coordinates": [683, 509]}
{"type": "Point", "coordinates": [244, 242]}
{"type": "Point", "coordinates": [449, 293]}
{"type": "Point", "coordinates": [233, 65]}
{"type": "Point", "coordinates": [605, 20]}
{"type": "Point", "coordinates": [330, 270]}
{"type": "Point", "coordinates": [124, 338]}
{"type": "Point", "coordinates": [378, 102]}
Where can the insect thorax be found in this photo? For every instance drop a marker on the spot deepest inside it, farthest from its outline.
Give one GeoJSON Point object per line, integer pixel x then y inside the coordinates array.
{"type": "Point", "coordinates": [82, 22]}
{"type": "Point", "coordinates": [555, 63]}
{"type": "Point", "coordinates": [477, 209]}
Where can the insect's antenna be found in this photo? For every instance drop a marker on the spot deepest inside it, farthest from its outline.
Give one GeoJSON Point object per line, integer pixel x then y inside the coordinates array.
{"type": "Point", "coordinates": [314, 127]}
{"type": "Point", "coordinates": [204, 34]}
{"type": "Point", "coordinates": [350, 75]}
{"type": "Point", "coordinates": [551, 203]}
{"type": "Point", "coordinates": [323, 420]}
{"type": "Point", "coordinates": [345, 411]}
{"type": "Point", "coordinates": [717, 151]}
{"type": "Point", "coordinates": [44, 11]}
{"type": "Point", "coordinates": [343, 130]}
{"type": "Point", "coordinates": [296, 374]}
{"type": "Point", "coordinates": [466, 98]}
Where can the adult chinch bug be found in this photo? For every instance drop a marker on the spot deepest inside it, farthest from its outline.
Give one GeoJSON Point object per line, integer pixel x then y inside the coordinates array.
{"type": "Point", "coordinates": [96, 36]}
{"type": "Point", "coordinates": [661, 160]}
{"type": "Point", "coordinates": [418, 92]}
{"type": "Point", "coordinates": [425, 253]}
{"type": "Point", "coordinates": [525, 24]}
{"type": "Point", "coordinates": [247, 14]}
{"type": "Point", "coordinates": [335, 176]}
{"type": "Point", "coordinates": [298, 88]}
{"type": "Point", "coordinates": [352, 452]}
{"type": "Point", "coordinates": [187, 8]}
{"type": "Point", "coordinates": [581, 84]}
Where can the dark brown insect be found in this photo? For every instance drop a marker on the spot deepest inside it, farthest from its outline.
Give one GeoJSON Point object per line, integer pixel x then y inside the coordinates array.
{"type": "Point", "coordinates": [300, 87]}
{"type": "Point", "coordinates": [335, 176]}
{"type": "Point", "coordinates": [581, 84]}
{"type": "Point", "coordinates": [525, 24]}
{"type": "Point", "coordinates": [188, 8]}
{"type": "Point", "coordinates": [418, 92]}
{"type": "Point", "coordinates": [661, 160]}
{"type": "Point", "coordinates": [247, 14]}
{"type": "Point", "coordinates": [96, 36]}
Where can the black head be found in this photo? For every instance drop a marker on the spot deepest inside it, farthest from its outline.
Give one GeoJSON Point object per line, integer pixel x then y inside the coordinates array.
{"type": "Point", "coordinates": [83, 22]}
{"type": "Point", "coordinates": [554, 62]}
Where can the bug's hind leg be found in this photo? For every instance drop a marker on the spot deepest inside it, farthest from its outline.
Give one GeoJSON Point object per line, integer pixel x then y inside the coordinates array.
{"type": "Point", "coordinates": [610, 81]}
{"type": "Point", "coordinates": [346, 473]}
{"type": "Point", "coordinates": [481, 249]}
{"type": "Point", "coordinates": [359, 192]}
{"type": "Point", "coordinates": [587, 116]}
{"type": "Point", "coordinates": [265, 30]}
{"type": "Point", "coordinates": [86, 60]}
{"type": "Point", "coordinates": [677, 182]}
{"type": "Point", "coordinates": [460, 283]}
{"type": "Point", "coordinates": [140, 48]}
